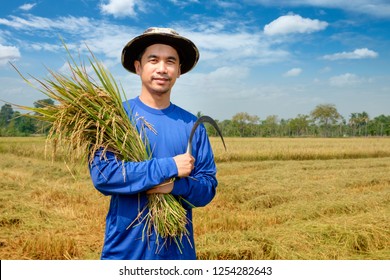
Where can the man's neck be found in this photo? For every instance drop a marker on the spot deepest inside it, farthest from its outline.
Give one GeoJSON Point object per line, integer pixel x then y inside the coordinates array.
{"type": "Point", "coordinates": [156, 101]}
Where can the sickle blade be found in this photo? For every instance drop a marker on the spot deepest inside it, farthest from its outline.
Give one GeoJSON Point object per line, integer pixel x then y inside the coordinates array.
{"type": "Point", "coordinates": [200, 120]}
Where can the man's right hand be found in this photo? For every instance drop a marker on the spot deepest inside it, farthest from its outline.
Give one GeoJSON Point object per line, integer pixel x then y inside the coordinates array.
{"type": "Point", "coordinates": [185, 164]}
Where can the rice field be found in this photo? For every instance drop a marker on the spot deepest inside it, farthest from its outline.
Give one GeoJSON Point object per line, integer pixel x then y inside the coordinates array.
{"type": "Point", "coordinates": [277, 199]}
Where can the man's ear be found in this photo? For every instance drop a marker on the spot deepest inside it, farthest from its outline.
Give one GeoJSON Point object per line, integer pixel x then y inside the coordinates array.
{"type": "Point", "coordinates": [179, 72]}
{"type": "Point", "coordinates": [137, 66]}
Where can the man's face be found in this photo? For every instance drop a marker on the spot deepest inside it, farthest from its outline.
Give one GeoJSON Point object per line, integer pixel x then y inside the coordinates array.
{"type": "Point", "coordinates": [159, 68]}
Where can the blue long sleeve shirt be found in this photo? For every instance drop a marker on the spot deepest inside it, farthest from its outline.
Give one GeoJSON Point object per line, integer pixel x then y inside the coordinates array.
{"type": "Point", "coordinates": [167, 131]}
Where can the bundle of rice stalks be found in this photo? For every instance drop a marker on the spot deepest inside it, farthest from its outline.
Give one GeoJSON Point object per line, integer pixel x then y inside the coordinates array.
{"type": "Point", "coordinates": [89, 117]}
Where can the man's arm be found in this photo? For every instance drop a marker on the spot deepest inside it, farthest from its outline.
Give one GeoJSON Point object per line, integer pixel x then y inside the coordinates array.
{"type": "Point", "coordinates": [200, 187]}
{"type": "Point", "coordinates": [112, 176]}
{"type": "Point", "coordinates": [184, 164]}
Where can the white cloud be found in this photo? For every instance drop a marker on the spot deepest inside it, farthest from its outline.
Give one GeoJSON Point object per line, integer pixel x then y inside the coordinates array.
{"type": "Point", "coordinates": [294, 24]}
{"type": "Point", "coordinates": [101, 37]}
{"type": "Point", "coordinates": [377, 8]}
{"type": "Point", "coordinates": [120, 8]}
{"type": "Point", "coordinates": [27, 7]}
{"type": "Point", "coordinates": [229, 73]}
{"type": "Point", "coordinates": [45, 47]}
{"type": "Point", "coordinates": [346, 79]}
{"type": "Point", "coordinates": [30, 22]}
{"type": "Point", "coordinates": [8, 53]}
{"type": "Point", "coordinates": [106, 40]}
{"type": "Point", "coordinates": [182, 3]}
{"type": "Point", "coordinates": [217, 48]}
{"type": "Point", "coordinates": [227, 4]}
{"type": "Point", "coordinates": [356, 54]}
{"type": "Point", "coordinates": [219, 81]}
{"type": "Point", "coordinates": [293, 72]}
{"type": "Point", "coordinates": [222, 48]}
{"type": "Point", "coordinates": [326, 69]}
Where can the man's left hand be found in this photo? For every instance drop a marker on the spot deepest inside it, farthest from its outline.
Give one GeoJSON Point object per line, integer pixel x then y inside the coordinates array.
{"type": "Point", "coordinates": [165, 187]}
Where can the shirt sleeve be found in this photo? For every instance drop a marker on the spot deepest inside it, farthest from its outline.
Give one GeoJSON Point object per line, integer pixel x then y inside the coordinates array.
{"type": "Point", "coordinates": [113, 176]}
{"type": "Point", "coordinates": [200, 188]}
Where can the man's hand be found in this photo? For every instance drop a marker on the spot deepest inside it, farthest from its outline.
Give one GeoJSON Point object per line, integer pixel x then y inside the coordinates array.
{"type": "Point", "coordinates": [185, 164]}
{"type": "Point", "coordinates": [165, 187]}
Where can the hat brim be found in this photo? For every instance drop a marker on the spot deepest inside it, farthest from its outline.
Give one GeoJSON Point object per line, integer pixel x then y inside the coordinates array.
{"type": "Point", "coordinates": [187, 51]}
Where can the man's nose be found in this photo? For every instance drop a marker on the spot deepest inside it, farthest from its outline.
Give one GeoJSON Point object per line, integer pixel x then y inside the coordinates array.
{"type": "Point", "coordinates": [162, 67]}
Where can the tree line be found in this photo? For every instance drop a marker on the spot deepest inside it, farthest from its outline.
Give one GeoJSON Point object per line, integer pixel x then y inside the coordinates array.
{"type": "Point", "coordinates": [323, 121]}
{"type": "Point", "coordinates": [14, 123]}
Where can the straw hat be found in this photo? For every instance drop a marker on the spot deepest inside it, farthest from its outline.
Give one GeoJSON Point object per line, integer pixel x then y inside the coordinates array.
{"type": "Point", "coordinates": [188, 52]}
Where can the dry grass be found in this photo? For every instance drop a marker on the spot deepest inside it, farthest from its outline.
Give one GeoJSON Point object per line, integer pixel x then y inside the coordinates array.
{"type": "Point", "coordinates": [338, 208]}
{"type": "Point", "coordinates": [46, 212]}
{"type": "Point", "coordinates": [306, 209]}
{"type": "Point", "coordinates": [258, 149]}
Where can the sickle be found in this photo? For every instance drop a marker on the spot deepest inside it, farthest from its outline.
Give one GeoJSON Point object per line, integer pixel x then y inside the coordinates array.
{"type": "Point", "coordinates": [200, 120]}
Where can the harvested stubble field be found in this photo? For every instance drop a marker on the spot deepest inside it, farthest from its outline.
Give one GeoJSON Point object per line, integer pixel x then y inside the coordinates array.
{"type": "Point", "coordinates": [276, 199]}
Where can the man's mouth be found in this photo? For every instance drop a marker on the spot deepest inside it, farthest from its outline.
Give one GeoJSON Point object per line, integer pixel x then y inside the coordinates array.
{"type": "Point", "coordinates": [161, 80]}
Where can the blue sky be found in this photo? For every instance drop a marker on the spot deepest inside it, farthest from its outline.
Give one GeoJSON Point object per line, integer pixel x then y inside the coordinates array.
{"type": "Point", "coordinates": [263, 57]}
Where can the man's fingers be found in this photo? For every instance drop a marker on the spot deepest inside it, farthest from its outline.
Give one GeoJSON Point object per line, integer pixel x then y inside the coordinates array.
{"type": "Point", "coordinates": [185, 164]}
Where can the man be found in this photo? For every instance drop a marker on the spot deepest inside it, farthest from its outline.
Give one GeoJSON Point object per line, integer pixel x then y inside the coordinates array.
{"type": "Point", "coordinates": [159, 56]}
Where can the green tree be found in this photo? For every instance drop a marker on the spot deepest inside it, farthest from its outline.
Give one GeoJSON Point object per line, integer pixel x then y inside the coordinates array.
{"type": "Point", "coordinates": [326, 115]}
{"type": "Point", "coordinates": [358, 123]}
{"type": "Point", "coordinates": [353, 122]}
{"type": "Point", "coordinates": [24, 125]}
{"type": "Point", "coordinates": [245, 123]}
{"type": "Point", "coordinates": [43, 103]}
{"type": "Point", "coordinates": [41, 126]}
{"type": "Point", "coordinates": [228, 128]}
{"type": "Point", "coordinates": [6, 114]}
{"type": "Point", "coordinates": [379, 126]}
{"type": "Point", "coordinates": [300, 125]}
{"type": "Point", "coordinates": [270, 125]}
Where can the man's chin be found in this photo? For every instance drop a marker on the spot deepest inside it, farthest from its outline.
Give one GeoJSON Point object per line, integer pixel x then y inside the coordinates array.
{"type": "Point", "coordinates": [161, 92]}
